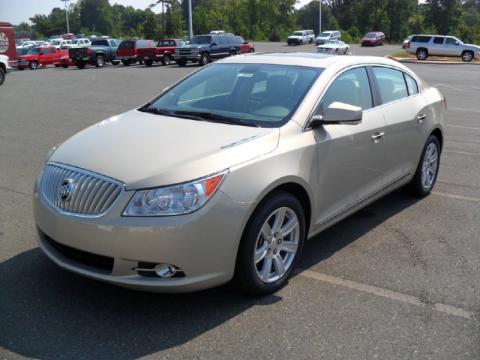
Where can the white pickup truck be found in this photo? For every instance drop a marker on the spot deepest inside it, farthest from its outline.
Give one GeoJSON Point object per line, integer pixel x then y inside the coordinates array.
{"type": "Point", "coordinates": [301, 37]}
{"type": "Point", "coordinates": [3, 68]}
{"type": "Point", "coordinates": [438, 45]}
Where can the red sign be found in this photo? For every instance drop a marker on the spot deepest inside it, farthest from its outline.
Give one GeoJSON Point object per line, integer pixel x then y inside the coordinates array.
{"type": "Point", "coordinates": [7, 41]}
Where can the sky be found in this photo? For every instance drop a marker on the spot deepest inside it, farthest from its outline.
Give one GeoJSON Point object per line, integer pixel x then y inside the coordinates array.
{"type": "Point", "coordinates": [16, 11]}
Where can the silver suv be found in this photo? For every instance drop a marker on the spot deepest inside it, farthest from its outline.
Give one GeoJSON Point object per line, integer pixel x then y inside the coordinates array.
{"type": "Point", "coordinates": [426, 45]}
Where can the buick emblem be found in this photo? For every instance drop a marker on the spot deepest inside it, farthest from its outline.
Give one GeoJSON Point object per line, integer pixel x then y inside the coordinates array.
{"type": "Point", "coordinates": [66, 189]}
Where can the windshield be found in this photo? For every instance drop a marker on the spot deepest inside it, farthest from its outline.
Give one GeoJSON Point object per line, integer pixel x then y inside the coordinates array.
{"type": "Point", "coordinates": [325, 34]}
{"type": "Point", "coordinates": [55, 42]}
{"type": "Point", "coordinates": [332, 42]}
{"type": "Point", "coordinates": [298, 33]}
{"type": "Point", "coordinates": [201, 39]}
{"type": "Point", "coordinates": [371, 35]}
{"type": "Point", "coordinates": [263, 95]}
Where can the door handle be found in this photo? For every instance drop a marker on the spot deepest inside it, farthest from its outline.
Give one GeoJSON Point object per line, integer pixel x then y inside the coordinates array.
{"type": "Point", "coordinates": [377, 136]}
{"type": "Point", "coordinates": [421, 117]}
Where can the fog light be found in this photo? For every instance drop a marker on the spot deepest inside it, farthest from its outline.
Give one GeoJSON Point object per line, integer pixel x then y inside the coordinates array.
{"type": "Point", "coordinates": [164, 270]}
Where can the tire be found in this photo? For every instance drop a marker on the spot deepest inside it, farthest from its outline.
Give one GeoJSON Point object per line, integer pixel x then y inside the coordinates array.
{"type": "Point", "coordinates": [421, 185]}
{"type": "Point", "coordinates": [422, 54]}
{"type": "Point", "coordinates": [249, 271]}
{"type": "Point", "coordinates": [126, 62]}
{"type": "Point", "coordinates": [204, 59]}
{"type": "Point", "coordinates": [301, 42]}
{"type": "Point", "coordinates": [2, 76]}
{"type": "Point", "coordinates": [467, 56]}
{"type": "Point", "coordinates": [166, 59]}
{"type": "Point", "coordinates": [233, 53]}
{"type": "Point", "coordinates": [251, 50]}
{"type": "Point", "coordinates": [116, 62]}
{"type": "Point", "coordinates": [33, 65]}
{"type": "Point", "coordinates": [182, 62]}
{"type": "Point", "coordinates": [100, 61]}
{"type": "Point", "coordinates": [80, 65]}
{"type": "Point", "coordinates": [65, 66]}
{"type": "Point", "coordinates": [310, 41]}
{"type": "Point", "coordinates": [148, 63]}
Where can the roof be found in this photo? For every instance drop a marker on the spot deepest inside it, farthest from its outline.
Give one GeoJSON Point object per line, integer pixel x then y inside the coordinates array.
{"type": "Point", "coordinates": [309, 59]}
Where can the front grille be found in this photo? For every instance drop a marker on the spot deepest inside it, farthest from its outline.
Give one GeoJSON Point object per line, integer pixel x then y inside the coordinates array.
{"type": "Point", "coordinates": [185, 51]}
{"type": "Point", "coordinates": [99, 263]}
{"type": "Point", "coordinates": [77, 191]}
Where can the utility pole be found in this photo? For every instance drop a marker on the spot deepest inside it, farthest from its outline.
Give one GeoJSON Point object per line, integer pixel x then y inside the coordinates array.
{"type": "Point", "coordinates": [319, 17]}
{"type": "Point", "coordinates": [66, 14]}
{"type": "Point", "coordinates": [190, 26]}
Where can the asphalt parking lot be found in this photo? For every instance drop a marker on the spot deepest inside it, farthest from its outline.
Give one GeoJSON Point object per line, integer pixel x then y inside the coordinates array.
{"type": "Point", "coordinates": [398, 280]}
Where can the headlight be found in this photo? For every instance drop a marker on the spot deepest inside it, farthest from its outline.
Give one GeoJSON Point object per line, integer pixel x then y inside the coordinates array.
{"type": "Point", "coordinates": [174, 200]}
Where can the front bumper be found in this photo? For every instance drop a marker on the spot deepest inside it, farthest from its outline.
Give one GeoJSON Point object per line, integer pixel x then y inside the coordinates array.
{"type": "Point", "coordinates": [202, 244]}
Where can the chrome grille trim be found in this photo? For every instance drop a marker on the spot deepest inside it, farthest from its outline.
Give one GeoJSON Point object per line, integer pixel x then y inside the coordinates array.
{"type": "Point", "coordinates": [92, 195]}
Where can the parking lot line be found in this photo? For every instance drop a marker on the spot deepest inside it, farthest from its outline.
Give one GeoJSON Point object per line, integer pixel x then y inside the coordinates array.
{"type": "Point", "coordinates": [459, 197]}
{"type": "Point", "coordinates": [392, 295]}
{"type": "Point", "coordinates": [463, 127]}
{"type": "Point", "coordinates": [460, 152]}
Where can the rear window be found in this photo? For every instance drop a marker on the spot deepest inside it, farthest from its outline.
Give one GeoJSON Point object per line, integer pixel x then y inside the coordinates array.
{"type": "Point", "coordinates": [411, 84]}
{"type": "Point", "coordinates": [99, 43]}
{"type": "Point", "coordinates": [391, 84]}
{"type": "Point", "coordinates": [129, 44]}
{"type": "Point", "coordinates": [421, 39]}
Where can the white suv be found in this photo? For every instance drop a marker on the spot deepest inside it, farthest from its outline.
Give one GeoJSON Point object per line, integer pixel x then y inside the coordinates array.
{"type": "Point", "coordinates": [3, 68]}
{"type": "Point", "coordinates": [440, 45]}
{"type": "Point", "coordinates": [328, 35]}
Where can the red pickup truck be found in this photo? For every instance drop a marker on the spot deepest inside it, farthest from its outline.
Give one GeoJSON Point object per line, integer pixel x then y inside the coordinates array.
{"type": "Point", "coordinates": [40, 56]}
{"type": "Point", "coordinates": [164, 52]}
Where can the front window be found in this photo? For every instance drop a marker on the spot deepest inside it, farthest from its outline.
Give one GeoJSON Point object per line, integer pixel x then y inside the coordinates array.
{"type": "Point", "coordinates": [33, 51]}
{"type": "Point", "coordinates": [371, 35]}
{"type": "Point", "coordinates": [263, 95]}
{"type": "Point", "coordinates": [451, 41]}
{"type": "Point", "coordinates": [325, 34]}
{"type": "Point", "coordinates": [201, 39]}
{"type": "Point", "coordinates": [55, 42]}
{"type": "Point", "coordinates": [298, 33]}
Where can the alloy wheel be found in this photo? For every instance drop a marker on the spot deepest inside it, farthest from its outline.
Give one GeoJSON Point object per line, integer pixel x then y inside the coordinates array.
{"type": "Point", "coordinates": [276, 245]}
{"type": "Point", "coordinates": [429, 166]}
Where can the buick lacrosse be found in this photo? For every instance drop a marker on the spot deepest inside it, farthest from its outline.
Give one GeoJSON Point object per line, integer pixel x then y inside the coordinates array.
{"type": "Point", "coordinates": [225, 174]}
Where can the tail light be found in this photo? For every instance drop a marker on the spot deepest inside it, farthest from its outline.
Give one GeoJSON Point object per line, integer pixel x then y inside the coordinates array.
{"type": "Point", "coordinates": [407, 46]}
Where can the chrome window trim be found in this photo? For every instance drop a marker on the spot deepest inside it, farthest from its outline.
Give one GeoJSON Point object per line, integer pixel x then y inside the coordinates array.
{"type": "Point", "coordinates": [88, 173]}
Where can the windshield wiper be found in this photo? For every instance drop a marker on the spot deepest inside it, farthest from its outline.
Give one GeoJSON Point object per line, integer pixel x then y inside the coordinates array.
{"type": "Point", "coordinates": [208, 116]}
{"type": "Point", "coordinates": [152, 110]}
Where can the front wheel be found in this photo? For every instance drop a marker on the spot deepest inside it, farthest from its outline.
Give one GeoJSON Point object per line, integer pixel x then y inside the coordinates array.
{"type": "Point", "coordinates": [80, 65]}
{"type": "Point", "coordinates": [148, 63]}
{"type": "Point", "coordinates": [271, 245]}
{"type": "Point", "coordinates": [126, 62]}
{"type": "Point", "coordinates": [65, 66]}
{"type": "Point", "coordinates": [33, 65]}
{"type": "Point", "coordinates": [204, 59]}
{"type": "Point", "coordinates": [427, 169]}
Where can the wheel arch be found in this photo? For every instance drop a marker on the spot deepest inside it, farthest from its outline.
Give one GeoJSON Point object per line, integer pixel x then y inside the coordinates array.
{"type": "Point", "coordinates": [439, 135]}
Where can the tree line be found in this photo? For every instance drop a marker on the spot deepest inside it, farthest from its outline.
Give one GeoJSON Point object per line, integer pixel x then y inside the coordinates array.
{"type": "Point", "coordinates": [264, 19]}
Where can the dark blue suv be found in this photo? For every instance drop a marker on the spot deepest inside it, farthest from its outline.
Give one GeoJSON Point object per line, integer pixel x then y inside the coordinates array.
{"type": "Point", "coordinates": [205, 48]}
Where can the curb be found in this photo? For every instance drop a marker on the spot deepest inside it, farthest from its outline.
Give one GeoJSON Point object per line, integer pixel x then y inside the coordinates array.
{"type": "Point", "coordinates": [432, 62]}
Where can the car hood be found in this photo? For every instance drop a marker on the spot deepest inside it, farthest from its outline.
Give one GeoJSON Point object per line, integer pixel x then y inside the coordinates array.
{"type": "Point", "coordinates": [472, 46]}
{"type": "Point", "coordinates": [295, 37]}
{"type": "Point", "coordinates": [145, 150]}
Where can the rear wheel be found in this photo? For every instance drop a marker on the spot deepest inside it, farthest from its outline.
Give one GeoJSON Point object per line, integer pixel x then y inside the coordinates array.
{"type": "Point", "coordinates": [427, 169]}
{"type": "Point", "coordinates": [33, 65]}
{"type": "Point", "coordinates": [80, 65]}
{"type": "Point", "coordinates": [233, 53]}
{"type": "Point", "coordinates": [422, 54]}
{"type": "Point", "coordinates": [148, 62]}
{"type": "Point", "coordinates": [271, 245]}
{"type": "Point", "coordinates": [204, 59]}
{"type": "Point", "coordinates": [126, 62]}
{"type": "Point", "coordinates": [100, 61]}
{"type": "Point", "coordinates": [166, 59]}
{"type": "Point", "coordinates": [467, 56]}
{"type": "Point", "coordinates": [252, 50]}
{"type": "Point", "coordinates": [116, 62]}
{"type": "Point", "coordinates": [65, 66]}
{"type": "Point", "coordinates": [2, 76]}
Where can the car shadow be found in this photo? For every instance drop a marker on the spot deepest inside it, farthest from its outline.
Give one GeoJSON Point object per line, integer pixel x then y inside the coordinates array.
{"type": "Point", "coordinates": [50, 313]}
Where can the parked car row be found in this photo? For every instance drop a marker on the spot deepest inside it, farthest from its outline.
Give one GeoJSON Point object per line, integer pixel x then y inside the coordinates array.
{"type": "Point", "coordinates": [100, 51]}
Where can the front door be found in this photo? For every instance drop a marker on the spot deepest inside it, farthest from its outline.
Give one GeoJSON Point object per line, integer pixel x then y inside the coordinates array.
{"type": "Point", "coordinates": [351, 157]}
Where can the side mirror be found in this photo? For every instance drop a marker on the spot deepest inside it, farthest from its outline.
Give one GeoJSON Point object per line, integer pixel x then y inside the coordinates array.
{"type": "Point", "coordinates": [457, 43]}
{"type": "Point", "coordinates": [337, 113]}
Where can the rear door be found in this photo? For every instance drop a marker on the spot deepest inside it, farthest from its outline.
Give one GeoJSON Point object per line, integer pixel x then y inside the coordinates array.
{"type": "Point", "coordinates": [437, 46]}
{"type": "Point", "coordinates": [352, 157]}
{"type": "Point", "coordinates": [404, 110]}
